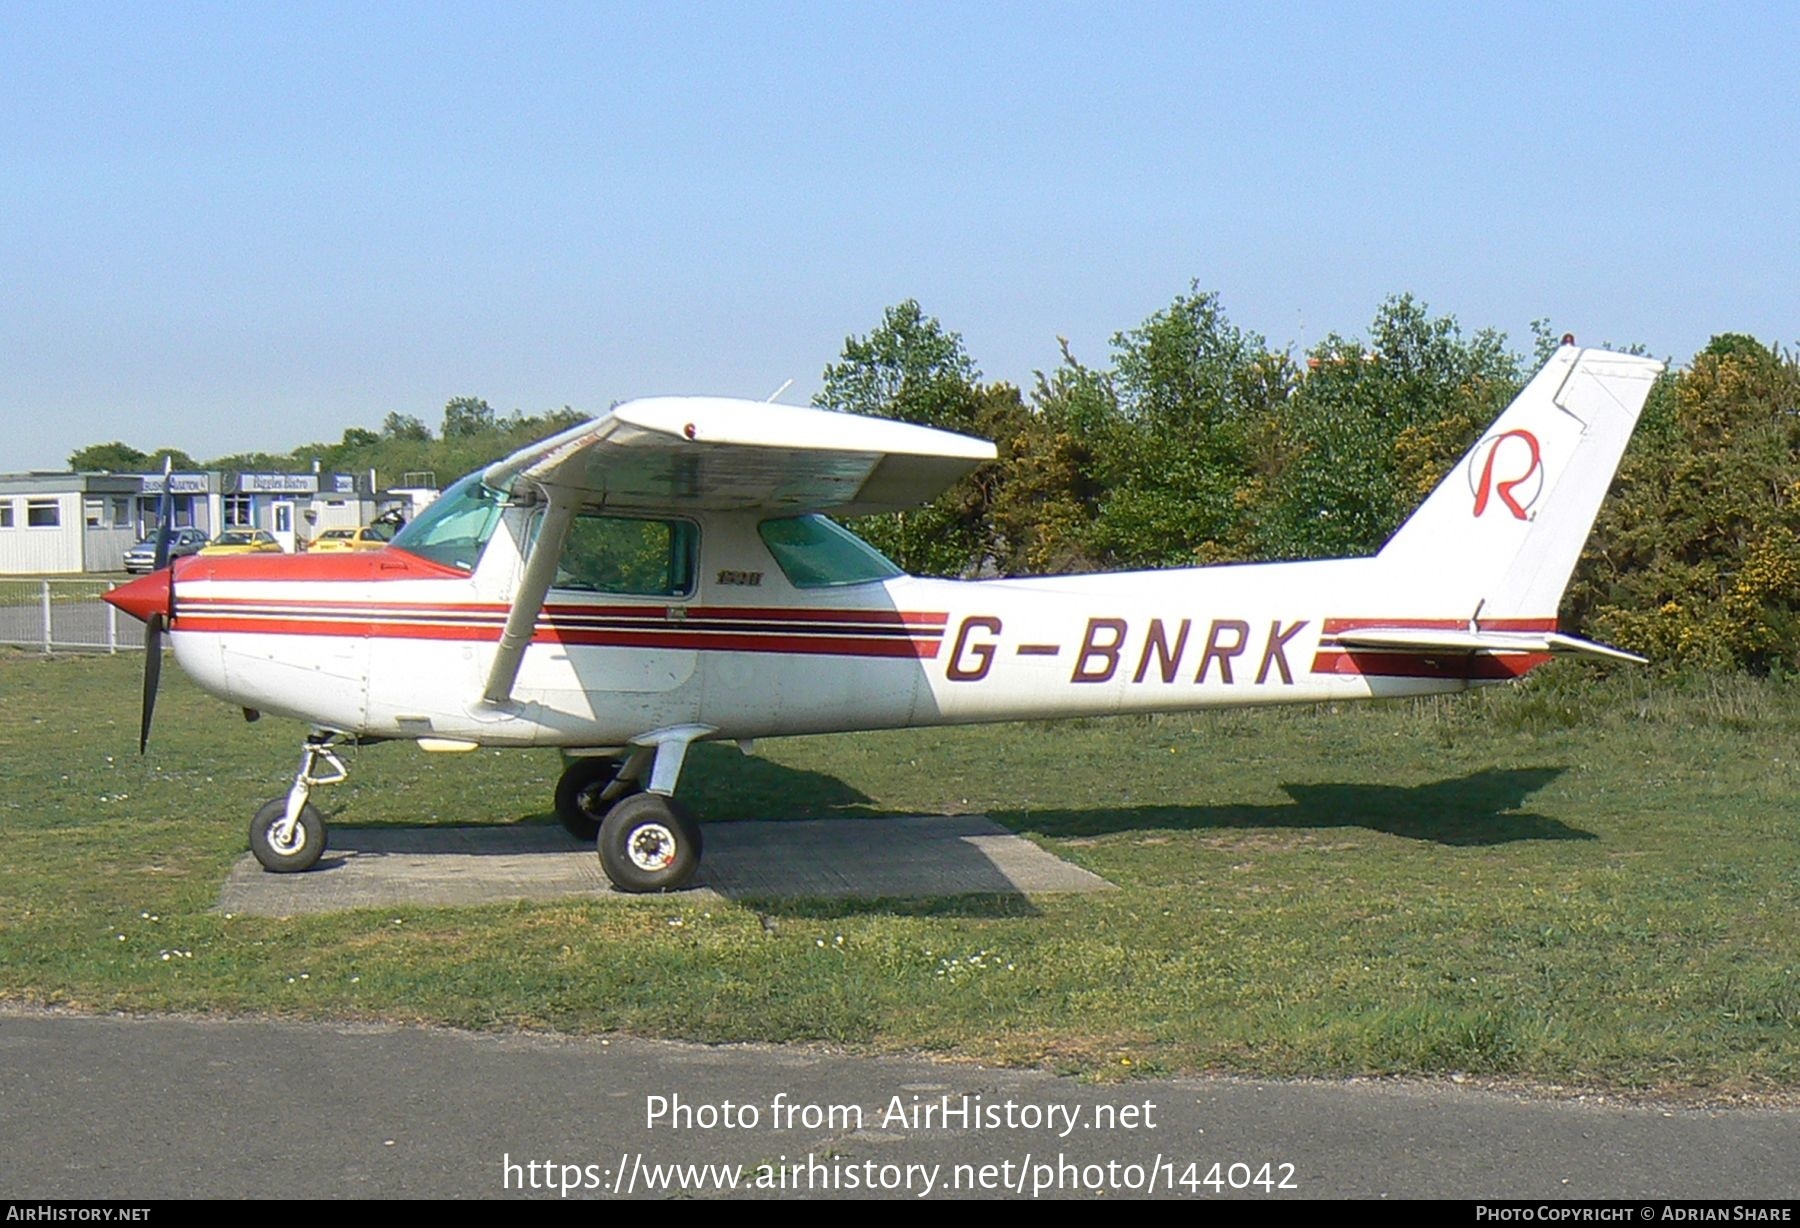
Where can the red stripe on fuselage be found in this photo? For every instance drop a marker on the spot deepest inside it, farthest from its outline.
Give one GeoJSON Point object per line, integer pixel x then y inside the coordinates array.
{"type": "Point", "coordinates": [824, 643]}
{"type": "Point", "coordinates": [924, 623]}
{"type": "Point", "coordinates": [1368, 663]}
{"type": "Point", "coordinates": [812, 630]}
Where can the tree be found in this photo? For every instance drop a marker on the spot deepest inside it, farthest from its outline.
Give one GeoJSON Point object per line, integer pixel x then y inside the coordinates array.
{"type": "Point", "coordinates": [176, 458]}
{"type": "Point", "coordinates": [1695, 557]}
{"type": "Point", "coordinates": [118, 457]}
{"type": "Point", "coordinates": [404, 426]}
{"type": "Point", "coordinates": [1194, 397]}
{"type": "Point", "coordinates": [1373, 427]}
{"type": "Point", "coordinates": [908, 367]}
{"type": "Point", "coordinates": [466, 416]}
{"type": "Point", "coordinates": [112, 457]}
{"type": "Point", "coordinates": [559, 420]}
{"type": "Point", "coordinates": [1056, 460]}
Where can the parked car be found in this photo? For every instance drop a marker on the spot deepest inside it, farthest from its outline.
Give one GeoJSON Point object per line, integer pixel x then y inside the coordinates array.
{"type": "Point", "coordinates": [243, 541]}
{"type": "Point", "coordinates": [369, 537]}
{"type": "Point", "coordinates": [142, 557]}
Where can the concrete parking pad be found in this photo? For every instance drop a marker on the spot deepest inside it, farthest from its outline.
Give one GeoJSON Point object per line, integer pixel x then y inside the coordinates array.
{"type": "Point", "coordinates": [940, 855]}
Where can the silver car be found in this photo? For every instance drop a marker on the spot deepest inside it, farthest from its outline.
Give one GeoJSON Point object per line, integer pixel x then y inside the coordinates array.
{"type": "Point", "coordinates": [142, 557]}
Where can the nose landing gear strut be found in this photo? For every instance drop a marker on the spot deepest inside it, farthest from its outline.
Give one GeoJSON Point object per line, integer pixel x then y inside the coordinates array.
{"type": "Point", "coordinates": [288, 833]}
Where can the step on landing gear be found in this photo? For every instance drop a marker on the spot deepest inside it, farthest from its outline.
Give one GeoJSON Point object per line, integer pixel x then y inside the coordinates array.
{"type": "Point", "coordinates": [288, 833]}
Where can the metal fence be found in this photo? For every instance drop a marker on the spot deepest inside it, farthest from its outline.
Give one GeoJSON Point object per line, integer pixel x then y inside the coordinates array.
{"type": "Point", "coordinates": [65, 616]}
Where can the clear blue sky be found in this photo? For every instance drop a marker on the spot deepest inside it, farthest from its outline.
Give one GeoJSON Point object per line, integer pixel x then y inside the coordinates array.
{"type": "Point", "coordinates": [240, 226]}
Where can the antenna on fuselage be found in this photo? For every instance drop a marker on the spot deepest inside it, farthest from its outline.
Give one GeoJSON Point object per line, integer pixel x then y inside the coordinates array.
{"type": "Point", "coordinates": [778, 392]}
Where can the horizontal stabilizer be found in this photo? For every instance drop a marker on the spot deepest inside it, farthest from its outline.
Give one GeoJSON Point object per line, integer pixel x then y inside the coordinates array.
{"type": "Point", "coordinates": [1450, 640]}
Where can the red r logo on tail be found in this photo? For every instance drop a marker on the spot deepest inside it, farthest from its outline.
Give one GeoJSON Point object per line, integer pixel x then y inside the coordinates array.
{"type": "Point", "coordinates": [1523, 459]}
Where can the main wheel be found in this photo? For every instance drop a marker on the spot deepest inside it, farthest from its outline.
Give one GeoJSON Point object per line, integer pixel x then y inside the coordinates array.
{"type": "Point", "coordinates": [578, 805]}
{"type": "Point", "coordinates": [648, 842]}
{"type": "Point", "coordinates": [303, 847]}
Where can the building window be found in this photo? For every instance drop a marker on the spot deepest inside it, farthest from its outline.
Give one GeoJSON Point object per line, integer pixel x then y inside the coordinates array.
{"type": "Point", "coordinates": [94, 512]}
{"type": "Point", "coordinates": [6, 513]}
{"type": "Point", "coordinates": [237, 512]}
{"type": "Point", "coordinates": [42, 513]}
{"type": "Point", "coordinates": [121, 510]}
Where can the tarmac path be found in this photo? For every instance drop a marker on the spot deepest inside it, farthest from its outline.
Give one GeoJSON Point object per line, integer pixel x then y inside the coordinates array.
{"type": "Point", "coordinates": [115, 1107]}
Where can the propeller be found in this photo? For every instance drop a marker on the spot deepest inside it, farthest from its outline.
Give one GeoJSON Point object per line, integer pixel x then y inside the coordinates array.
{"type": "Point", "coordinates": [153, 626]}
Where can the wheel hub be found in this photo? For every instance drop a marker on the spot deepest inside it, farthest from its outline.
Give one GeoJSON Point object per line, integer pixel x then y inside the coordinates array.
{"type": "Point", "coordinates": [651, 847]}
{"type": "Point", "coordinates": [290, 841]}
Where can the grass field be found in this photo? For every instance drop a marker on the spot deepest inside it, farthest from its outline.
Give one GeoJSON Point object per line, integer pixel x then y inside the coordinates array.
{"type": "Point", "coordinates": [1569, 883]}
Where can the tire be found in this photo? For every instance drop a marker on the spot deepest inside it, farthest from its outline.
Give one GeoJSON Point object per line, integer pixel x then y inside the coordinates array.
{"type": "Point", "coordinates": [649, 842]}
{"type": "Point", "coordinates": [304, 848]}
{"type": "Point", "coordinates": [578, 805]}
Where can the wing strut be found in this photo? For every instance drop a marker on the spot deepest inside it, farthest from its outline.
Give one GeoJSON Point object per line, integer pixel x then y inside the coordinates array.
{"type": "Point", "coordinates": [540, 571]}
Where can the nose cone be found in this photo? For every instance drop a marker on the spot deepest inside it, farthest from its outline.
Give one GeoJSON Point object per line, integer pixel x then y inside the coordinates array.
{"type": "Point", "coordinates": [146, 595]}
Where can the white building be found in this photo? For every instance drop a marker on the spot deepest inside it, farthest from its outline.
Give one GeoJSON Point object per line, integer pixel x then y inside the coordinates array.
{"type": "Point", "coordinates": [297, 507]}
{"type": "Point", "coordinates": [61, 523]}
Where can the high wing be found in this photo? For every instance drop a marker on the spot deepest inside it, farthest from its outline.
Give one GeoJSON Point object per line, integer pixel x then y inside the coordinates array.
{"type": "Point", "coordinates": [713, 453]}
{"type": "Point", "coordinates": [710, 453]}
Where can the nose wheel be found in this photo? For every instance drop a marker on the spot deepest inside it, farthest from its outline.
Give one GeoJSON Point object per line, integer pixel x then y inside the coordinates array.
{"type": "Point", "coordinates": [649, 842]}
{"type": "Point", "coordinates": [288, 833]}
{"type": "Point", "coordinates": [283, 847]}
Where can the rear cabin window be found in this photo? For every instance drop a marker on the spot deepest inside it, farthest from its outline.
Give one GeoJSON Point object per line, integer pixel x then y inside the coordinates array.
{"type": "Point", "coordinates": [814, 552]}
{"type": "Point", "coordinates": [628, 556]}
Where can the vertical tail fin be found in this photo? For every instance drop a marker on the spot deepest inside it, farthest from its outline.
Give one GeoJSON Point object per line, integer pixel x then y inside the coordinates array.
{"type": "Point", "coordinates": [1502, 532]}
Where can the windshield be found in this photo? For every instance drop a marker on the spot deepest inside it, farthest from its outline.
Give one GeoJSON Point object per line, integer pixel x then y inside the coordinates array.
{"type": "Point", "coordinates": [813, 552]}
{"type": "Point", "coordinates": [455, 528]}
{"type": "Point", "coordinates": [236, 539]}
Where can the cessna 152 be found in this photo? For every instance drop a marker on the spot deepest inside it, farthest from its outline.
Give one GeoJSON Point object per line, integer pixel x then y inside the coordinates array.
{"type": "Point", "coordinates": [665, 574]}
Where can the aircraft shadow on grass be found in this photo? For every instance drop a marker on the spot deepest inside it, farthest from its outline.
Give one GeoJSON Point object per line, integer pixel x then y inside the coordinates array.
{"type": "Point", "coordinates": [955, 877]}
{"type": "Point", "coordinates": [914, 869]}
{"type": "Point", "coordinates": [1482, 808]}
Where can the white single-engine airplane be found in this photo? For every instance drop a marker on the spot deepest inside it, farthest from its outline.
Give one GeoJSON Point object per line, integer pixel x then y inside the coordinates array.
{"type": "Point", "coordinates": [665, 574]}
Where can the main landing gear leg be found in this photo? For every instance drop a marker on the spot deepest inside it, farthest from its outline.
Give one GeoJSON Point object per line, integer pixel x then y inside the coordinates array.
{"type": "Point", "coordinates": [648, 841]}
{"type": "Point", "coordinates": [288, 833]}
{"type": "Point", "coordinates": [589, 786]}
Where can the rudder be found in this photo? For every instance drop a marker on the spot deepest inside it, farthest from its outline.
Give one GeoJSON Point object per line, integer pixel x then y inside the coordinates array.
{"type": "Point", "coordinates": [1502, 532]}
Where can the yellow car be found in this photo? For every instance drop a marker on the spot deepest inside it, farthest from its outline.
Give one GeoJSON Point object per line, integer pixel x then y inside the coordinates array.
{"type": "Point", "coordinates": [243, 541]}
{"type": "Point", "coordinates": [369, 537]}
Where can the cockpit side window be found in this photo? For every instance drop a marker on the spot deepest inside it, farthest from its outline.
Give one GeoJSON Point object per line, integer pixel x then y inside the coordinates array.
{"type": "Point", "coordinates": [629, 556]}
